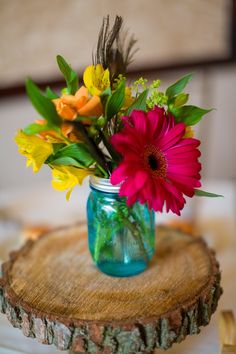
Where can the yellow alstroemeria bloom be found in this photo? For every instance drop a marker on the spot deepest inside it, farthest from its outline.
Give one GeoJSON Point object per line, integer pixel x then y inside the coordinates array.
{"type": "Point", "coordinates": [67, 177]}
{"type": "Point", "coordinates": [35, 149]}
{"type": "Point", "coordinates": [189, 132]}
{"type": "Point", "coordinates": [128, 98]}
{"type": "Point", "coordinates": [96, 79]}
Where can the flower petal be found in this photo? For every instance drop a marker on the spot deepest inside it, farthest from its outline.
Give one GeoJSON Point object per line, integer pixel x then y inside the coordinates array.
{"type": "Point", "coordinates": [92, 108]}
{"type": "Point", "coordinates": [140, 123]}
{"type": "Point", "coordinates": [35, 149]}
{"type": "Point", "coordinates": [119, 174]}
{"type": "Point", "coordinates": [89, 80]}
{"type": "Point", "coordinates": [172, 137]}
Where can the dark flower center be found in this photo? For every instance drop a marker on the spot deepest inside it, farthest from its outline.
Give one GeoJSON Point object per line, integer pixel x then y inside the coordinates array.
{"type": "Point", "coordinates": [153, 162]}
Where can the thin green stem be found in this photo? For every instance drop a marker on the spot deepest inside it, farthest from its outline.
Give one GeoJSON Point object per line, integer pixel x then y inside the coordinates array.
{"type": "Point", "coordinates": [104, 172]}
{"type": "Point", "coordinates": [98, 242]}
{"type": "Point", "coordinates": [137, 216]}
{"type": "Point", "coordinates": [94, 150]}
{"type": "Point", "coordinates": [136, 233]}
{"type": "Point", "coordinates": [114, 154]}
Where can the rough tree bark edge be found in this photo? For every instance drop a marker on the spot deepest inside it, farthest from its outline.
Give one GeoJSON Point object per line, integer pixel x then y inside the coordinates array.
{"type": "Point", "coordinates": [130, 336]}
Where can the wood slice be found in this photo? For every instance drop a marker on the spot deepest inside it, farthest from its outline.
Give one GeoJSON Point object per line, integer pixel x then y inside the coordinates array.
{"type": "Point", "coordinates": [52, 291]}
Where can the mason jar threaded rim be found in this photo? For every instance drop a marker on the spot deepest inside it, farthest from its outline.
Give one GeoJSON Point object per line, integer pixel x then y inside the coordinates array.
{"type": "Point", "coordinates": [103, 185]}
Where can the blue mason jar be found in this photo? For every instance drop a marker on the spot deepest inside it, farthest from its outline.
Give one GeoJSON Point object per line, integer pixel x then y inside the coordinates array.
{"type": "Point", "coordinates": [121, 238]}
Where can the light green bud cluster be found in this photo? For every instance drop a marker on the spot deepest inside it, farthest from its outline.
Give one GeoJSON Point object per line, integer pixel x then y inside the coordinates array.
{"type": "Point", "coordinates": [156, 99]}
{"type": "Point", "coordinates": [139, 85]}
{"type": "Point", "coordinates": [155, 84]}
{"type": "Point", "coordinates": [120, 78]}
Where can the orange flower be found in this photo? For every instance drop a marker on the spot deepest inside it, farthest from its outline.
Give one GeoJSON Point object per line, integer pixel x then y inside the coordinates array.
{"type": "Point", "coordinates": [70, 132]}
{"type": "Point", "coordinates": [69, 106]}
{"type": "Point", "coordinates": [49, 135]}
{"type": "Point", "coordinates": [65, 108]}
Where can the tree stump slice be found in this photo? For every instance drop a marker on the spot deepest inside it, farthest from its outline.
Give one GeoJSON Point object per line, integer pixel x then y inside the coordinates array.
{"type": "Point", "coordinates": [53, 292]}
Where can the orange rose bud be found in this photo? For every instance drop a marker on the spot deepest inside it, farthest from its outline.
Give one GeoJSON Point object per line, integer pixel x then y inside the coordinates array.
{"type": "Point", "coordinates": [69, 106]}
{"type": "Point", "coordinates": [65, 109]}
{"type": "Point", "coordinates": [92, 108]}
{"type": "Point", "coordinates": [82, 97]}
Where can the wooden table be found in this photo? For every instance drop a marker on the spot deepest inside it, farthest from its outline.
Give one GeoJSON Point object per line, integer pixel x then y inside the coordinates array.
{"type": "Point", "coordinates": [52, 291]}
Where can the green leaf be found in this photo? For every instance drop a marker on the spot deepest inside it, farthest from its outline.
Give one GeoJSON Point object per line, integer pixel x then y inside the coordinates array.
{"type": "Point", "coordinates": [57, 146]}
{"type": "Point", "coordinates": [50, 94]}
{"type": "Point", "coordinates": [115, 101]}
{"type": "Point", "coordinates": [70, 75]}
{"type": "Point", "coordinates": [82, 118]}
{"type": "Point", "coordinates": [65, 91]}
{"type": "Point", "coordinates": [66, 161]}
{"type": "Point", "coordinates": [105, 96]}
{"type": "Point", "coordinates": [41, 103]}
{"type": "Point", "coordinates": [200, 193]}
{"type": "Point", "coordinates": [35, 128]}
{"type": "Point", "coordinates": [190, 115]}
{"type": "Point", "coordinates": [78, 152]}
{"type": "Point", "coordinates": [178, 86]}
{"type": "Point", "coordinates": [179, 100]}
{"type": "Point", "coordinates": [106, 92]}
{"type": "Point", "coordinates": [139, 103]}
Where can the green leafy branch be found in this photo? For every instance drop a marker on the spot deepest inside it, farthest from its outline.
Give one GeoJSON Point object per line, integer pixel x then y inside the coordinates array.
{"type": "Point", "coordinates": [69, 74]}
{"type": "Point", "coordinates": [176, 99]}
{"type": "Point", "coordinates": [42, 104]}
{"type": "Point", "coordinates": [76, 154]}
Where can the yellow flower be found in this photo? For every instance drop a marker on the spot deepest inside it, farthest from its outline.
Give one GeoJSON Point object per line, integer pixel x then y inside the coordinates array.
{"type": "Point", "coordinates": [128, 98]}
{"type": "Point", "coordinates": [189, 132]}
{"type": "Point", "coordinates": [96, 79]}
{"type": "Point", "coordinates": [67, 177]}
{"type": "Point", "coordinates": [35, 149]}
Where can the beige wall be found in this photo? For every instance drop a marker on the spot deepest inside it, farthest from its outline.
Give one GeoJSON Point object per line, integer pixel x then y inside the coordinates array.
{"type": "Point", "coordinates": [33, 32]}
{"type": "Point", "coordinates": [220, 134]}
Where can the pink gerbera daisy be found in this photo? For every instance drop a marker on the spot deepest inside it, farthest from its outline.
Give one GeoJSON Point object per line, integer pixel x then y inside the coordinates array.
{"type": "Point", "coordinates": [159, 166]}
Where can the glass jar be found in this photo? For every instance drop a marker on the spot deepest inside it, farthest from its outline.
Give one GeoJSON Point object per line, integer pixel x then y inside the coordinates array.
{"type": "Point", "coordinates": [121, 238]}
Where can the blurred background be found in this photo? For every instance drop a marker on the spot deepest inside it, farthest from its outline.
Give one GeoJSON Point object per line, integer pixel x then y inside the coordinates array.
{"type": "Point", "coordinates": [174, 38]}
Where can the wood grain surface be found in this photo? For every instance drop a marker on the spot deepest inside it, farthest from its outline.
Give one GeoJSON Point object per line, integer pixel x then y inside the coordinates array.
{"type": "Point", "coordinates": [52, 291]}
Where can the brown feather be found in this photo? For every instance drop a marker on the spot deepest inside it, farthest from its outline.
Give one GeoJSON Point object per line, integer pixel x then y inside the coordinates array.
{"type": "Point", "coordinates": [115, 49]}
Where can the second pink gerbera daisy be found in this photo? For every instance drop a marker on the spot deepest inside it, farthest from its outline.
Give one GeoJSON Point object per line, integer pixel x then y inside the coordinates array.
{"type": "Point", "coordinates": [159, 165]}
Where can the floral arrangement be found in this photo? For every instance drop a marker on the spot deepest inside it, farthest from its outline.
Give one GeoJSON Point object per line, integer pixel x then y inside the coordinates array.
{"type": "Point", "coordinates": [133, 134]}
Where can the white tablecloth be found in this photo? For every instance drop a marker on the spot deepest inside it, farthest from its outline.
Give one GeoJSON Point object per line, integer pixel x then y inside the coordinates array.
{"type": "Point", "coordinates": [215, 219]}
